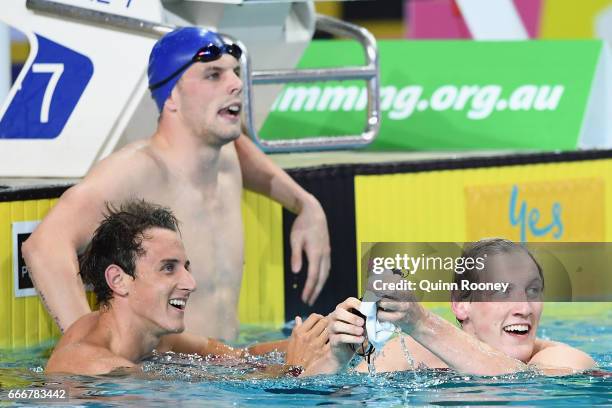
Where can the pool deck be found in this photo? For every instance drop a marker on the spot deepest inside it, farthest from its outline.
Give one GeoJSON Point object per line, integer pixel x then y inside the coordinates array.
{"type": "Point", "coordinates": [367, 161]}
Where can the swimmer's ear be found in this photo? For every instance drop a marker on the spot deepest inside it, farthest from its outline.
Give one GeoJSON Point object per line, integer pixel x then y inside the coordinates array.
{"type": "Point", "coordinates": [461, 310]}
{"type": "Point", "coordinates": [171, 102]}
{"type": "Point", "coordinates": [115, 280]}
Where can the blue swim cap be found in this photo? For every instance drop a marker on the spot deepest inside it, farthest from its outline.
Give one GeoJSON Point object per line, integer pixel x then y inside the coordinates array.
{"type": "Point", "coordinates": [172, 52]}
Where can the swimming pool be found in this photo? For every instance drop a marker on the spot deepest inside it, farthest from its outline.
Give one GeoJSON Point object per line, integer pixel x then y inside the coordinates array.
{"type": "Point", "coordinates": [187, 380]}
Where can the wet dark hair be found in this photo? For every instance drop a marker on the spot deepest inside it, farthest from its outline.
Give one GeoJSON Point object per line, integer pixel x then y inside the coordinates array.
{"type": "Point", "coordinates": [118, 241]}
{"type": "Point", "coordinates": [488, 246]}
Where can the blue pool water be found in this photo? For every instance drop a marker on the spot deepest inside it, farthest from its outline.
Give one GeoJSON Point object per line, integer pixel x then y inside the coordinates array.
{"type": "Point", "coordinates": [190, 381]}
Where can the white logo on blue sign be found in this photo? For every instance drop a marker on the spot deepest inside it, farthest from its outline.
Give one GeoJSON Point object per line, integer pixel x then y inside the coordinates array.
{"type": "Point", "coordinates": [49, 93]}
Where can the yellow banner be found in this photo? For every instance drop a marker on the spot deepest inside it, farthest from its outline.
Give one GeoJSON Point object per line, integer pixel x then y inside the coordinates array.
{"type": "Point", "coordinates": [569, 210]}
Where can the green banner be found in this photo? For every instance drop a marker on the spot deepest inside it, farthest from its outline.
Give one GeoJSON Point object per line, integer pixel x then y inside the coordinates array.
{"type": "Point", "coordinates": [448, 95]}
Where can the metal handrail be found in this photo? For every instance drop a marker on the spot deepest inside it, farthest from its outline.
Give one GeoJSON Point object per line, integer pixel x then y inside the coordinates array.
{"type": "Point", "coordinates": [369, 72]}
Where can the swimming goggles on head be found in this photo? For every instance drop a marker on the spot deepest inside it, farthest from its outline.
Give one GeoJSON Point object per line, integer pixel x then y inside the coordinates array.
{"type": "Point", "coordinates": [208, 53]}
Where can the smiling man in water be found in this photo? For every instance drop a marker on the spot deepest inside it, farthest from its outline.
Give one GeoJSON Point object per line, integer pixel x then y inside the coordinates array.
{"type": "Point", "coordinates": [141, 276]}
{"type": "Point", "coordinates": [196, 164]}
{"type": "Point", "coordinates": [497, 333]}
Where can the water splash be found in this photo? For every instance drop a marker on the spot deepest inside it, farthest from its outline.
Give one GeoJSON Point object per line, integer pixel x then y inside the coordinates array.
{"type": "Point", "coordinates": [371, 360]}
{"type": "Point", "coordinates": [195, 368]}
{"type": "Point", "coordinates": [405, 350]}
{"type": "Point", "coordinates": [407, 354]}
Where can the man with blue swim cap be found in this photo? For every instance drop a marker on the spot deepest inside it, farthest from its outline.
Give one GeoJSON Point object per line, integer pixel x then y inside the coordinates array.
{"type": "Point", "coordinates": [172, 55]}
{"type": "Point", "coordinates": [196, 163]}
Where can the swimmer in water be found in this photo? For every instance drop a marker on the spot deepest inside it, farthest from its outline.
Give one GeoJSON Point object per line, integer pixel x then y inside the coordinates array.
{"type": "Point", "coordinates": [497, 333]}
{"type": "Point", "coordinates": [196, 163]}
{"type": "Point", "coordinates": [142, 278]}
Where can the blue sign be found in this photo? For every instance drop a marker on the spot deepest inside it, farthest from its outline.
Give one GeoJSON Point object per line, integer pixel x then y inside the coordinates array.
{"type": "Point", "coordinates": [49, 93]}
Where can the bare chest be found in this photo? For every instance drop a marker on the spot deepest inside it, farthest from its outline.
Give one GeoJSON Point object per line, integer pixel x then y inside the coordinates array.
{"type": "Point", "coordinates": [211, 227]}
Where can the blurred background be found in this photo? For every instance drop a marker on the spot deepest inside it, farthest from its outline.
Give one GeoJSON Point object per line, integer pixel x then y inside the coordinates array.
{"type": "Point", "coordinates": [442, 19]}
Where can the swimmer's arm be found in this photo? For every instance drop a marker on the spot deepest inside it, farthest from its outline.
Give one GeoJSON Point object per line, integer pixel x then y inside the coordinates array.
{"type": "Point", "coordinates": [561, 359]}
{"type": "Point", "coordinates": [267, 347]}
{"type": "Point", "coordinates": [190, 343]}
{"type": "Point", "coordinates": [462, 351]}
{"type": "Point", "coordinates": [309, 232]}
{"type": "Point", "coordinates": [193, 344]}
{"type": "Point", "coordinates": [276, 371]}
{"type": "Point", "coordinates": [262, 175]}
{"type": "Point", "coordinates": [51, 255]}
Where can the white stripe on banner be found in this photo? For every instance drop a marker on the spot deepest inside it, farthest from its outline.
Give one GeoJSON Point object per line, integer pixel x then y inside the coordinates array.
{"type": "Point", "coordinates": [493, 19]}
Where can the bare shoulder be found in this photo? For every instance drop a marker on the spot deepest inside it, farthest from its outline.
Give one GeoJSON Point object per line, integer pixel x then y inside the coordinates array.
{"type": "Point", "coordinates": [393, 356]}
{"type": "Point", "coordinates": [84, 358]}
{"type": "Point", "coordinates": [76, 353]}
{"type": "Point", "coordinates": [79, 329]}
{"type": "Point", "coordinates": [115, 178]}
{"type": "Point", "coordinates": [553, 354]}
{"type": "Point", "coordinates": [130, 166]}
